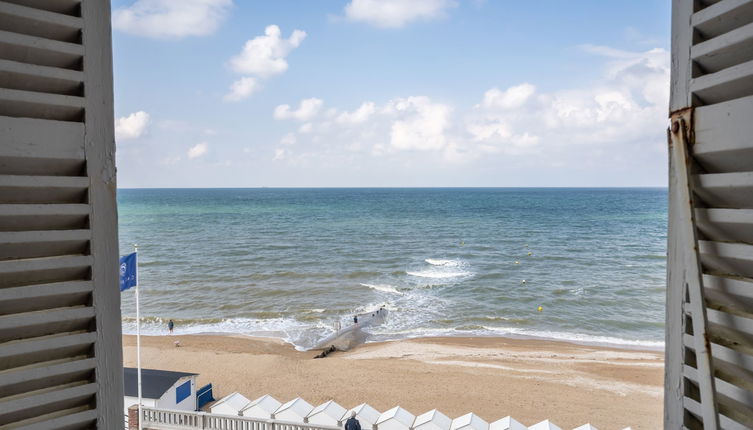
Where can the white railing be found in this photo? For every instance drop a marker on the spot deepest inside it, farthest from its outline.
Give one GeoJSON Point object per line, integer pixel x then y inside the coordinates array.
{"type": "Point", "coordinates": [166, 419]}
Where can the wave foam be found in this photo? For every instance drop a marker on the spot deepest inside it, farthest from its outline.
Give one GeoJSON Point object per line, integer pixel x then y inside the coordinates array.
{"type": "Point", "coordinates": [445, 263]}
{"type": "Point", "coordinates": [433, 274]}
{"type": "Point", "coordinates": [385, 288]}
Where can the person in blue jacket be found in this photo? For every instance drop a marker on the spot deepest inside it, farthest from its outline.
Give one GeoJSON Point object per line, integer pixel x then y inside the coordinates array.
{"type": "Point", "coordinates": [352, 423]}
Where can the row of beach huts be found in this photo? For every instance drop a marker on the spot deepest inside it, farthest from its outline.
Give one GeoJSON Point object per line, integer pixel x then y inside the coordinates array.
{"type": "Point", "coordinates": [331, 414]}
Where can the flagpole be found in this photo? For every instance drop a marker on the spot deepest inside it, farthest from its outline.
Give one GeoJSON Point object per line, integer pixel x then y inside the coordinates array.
{"type": "Point", "coordinates": [138, 333]}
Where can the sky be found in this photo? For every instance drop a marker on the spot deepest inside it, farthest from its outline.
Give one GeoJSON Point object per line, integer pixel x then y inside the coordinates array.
{"type": "Point", "coordinates": [391, 93]}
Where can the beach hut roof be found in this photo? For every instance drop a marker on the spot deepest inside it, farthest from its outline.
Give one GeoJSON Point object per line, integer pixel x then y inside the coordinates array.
{"type": "Point", "coordinates": [154, 382]}
{"type": "Point", "coordinates": [469, 421]}
{"type": "Point", "coordinates": [264, 406]}
{"type": "Point", "coordinates": [544, 425]}
{"type": "Point", "coordinates": [586, 427]}
{"type": "Point", "coordinates": [507, 423]}
{"type": "Point", "coordinates": [364, 413]}
{"type": "Point", "coordinates": [433, 420]}
{"type": "Point", "coordinates": [296, 408]}
{"type": "Point", "coordinates": [234, 401]}
{"type": "Point", "coordinates": [326, 413]}
{"type": "Point", "coordinates": [398, 415]}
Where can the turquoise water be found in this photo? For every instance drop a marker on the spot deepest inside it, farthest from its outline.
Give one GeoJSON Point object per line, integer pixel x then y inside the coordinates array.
{"type": "Point", "coordinates": [288, 263]}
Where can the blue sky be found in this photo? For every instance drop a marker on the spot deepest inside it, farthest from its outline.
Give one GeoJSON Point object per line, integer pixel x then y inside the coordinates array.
{"type": "Point", "coordinates": [223, 93]}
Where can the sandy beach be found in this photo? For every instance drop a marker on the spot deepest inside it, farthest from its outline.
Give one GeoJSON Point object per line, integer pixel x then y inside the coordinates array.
{"type": "Point", "coordinates": [531, 380]}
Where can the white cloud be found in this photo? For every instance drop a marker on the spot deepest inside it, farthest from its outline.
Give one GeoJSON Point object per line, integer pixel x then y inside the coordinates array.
{"type": "Point", "coordinates": [395, 13]}
{"type": "Point", "coordinates": [628, 105]}
{"type": "Point", "coordinates": [307, 109]}
{"type": "Point", "coordinates": [132, 126]}
{"type": "Point", "coordinates": [511, 98]}
{"type": "Point", "coordinates": [620, 116]}
{"type": "Point", "coordinates": [420, 124]}
{"type": "Point", "coordinates": [280, 154]}
{"type": "Point", "coordinates": [198, 150]}
{"type": "Point", "coordinates": [358, 116]}
{"type": "Point", "coordinates": [288, 139]}
{"type": "Point", "coordinates": [171, 19]}
{"type": "Point", "coordinates": [241, 89]}
{"type": "Point", "coordinates": [265, 55]}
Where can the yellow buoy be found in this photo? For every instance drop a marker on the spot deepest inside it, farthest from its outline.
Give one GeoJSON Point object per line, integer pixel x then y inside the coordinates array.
{"type": "Point", "coordinates": [540, 308]}
{"type": "Point", "coordinates": [530, 254]}
{"type": "Point", "coordinates": [517, 262]}
{"type": "Point", "coordinates": [462, 243]}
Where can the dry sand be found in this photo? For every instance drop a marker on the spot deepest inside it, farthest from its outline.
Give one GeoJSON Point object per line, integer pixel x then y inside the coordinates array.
{"type": "Point", "coordinates": [531, 380]}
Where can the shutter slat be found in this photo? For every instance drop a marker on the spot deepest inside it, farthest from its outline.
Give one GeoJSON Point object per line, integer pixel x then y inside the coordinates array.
{"type": "Point", "coordinates": [44, 296]}
{"type": "Point", "coordinates": [43, 323]}
{"type": "Point", "coordinates": [726, 423]}
{"type": "Point", "coordinates": [72, 50]}
{"type": "Point", "coordinates": [44, 348]}
{"type": "Point", "coordinates": [726, 190]}
{"type": "Point", "coordinates": [722, 17]}
{"type": "Point", "coordinates": [727, 84]}
{"type": "Point", "coordinates": [24, 217]}
{"type": "Point", "coordinates": [16, 237]}
{"type": "Point", "coordinates": [44, 210]}
{"type": "Point", "coordinates": [32, 244]}
{"type": "Point", "coordinates": [40, 51]}
{"type": "Point", "coordinates": [46, 263]}
{"type": "Point", "coordinates": [72, 418]}
{"type": "Point", "coordinates": [32, 77]}
{"type": "Point", "coordinates": [726, 224]}
{"type": "Point", "coordinates": [43, 189]}
{"type": "Point", "coordinates": [30, 97]}
{"type": "Point", "coordinates": [724, 50]}
{"type": "Point", "coordinates": [67, 7]}
{"type": "Point", "coordinates": [725, 388]}
{"type": "Point", "coordinates": [40, 15]}
{"type": "Point", "coordinates": [727, 258]}
{"type": "Point", "coordinates": [57, 372]}
{"type": "Point", "coordinates": [724, 136]}
{"type": "Point", "coordinates": [46, 401]}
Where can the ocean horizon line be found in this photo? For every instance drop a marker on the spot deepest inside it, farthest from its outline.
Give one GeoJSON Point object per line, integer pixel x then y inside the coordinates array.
{"type": "Point", "coordinates": [401, 188]}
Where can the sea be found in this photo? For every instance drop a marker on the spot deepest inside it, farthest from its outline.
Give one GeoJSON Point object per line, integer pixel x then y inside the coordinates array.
{"type": "Point", "coordinates": [584, 265]}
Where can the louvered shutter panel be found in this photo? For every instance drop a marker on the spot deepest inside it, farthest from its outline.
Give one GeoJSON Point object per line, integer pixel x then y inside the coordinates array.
{"type": "Point", "coordinates": [60, 353]}
{"type": "Point", "coordinates": [709, 343]}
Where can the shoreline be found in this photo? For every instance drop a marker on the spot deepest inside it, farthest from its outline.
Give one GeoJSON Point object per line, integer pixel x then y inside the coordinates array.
{"type": "Point", "coordinates": [529, 379]}
{"type": "Point", "coordinates": [633, 345]}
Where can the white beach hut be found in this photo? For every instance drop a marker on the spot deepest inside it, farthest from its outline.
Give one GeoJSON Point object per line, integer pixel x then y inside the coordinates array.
{"type": "Point", "coordinates": [507, 423]}
{"type": "Point", "coordinates": [365, 414]}
{"type": "Point", "coordinates": [396, 418]}
{"type": "Point", "coordinates": [328, 414]}
{"type": "Point", "coordinates": [295, 410]}
{"type": "Point", "coordinates": [586, 427]}
{"type": "Point", "coordinates": [469, 421]}
{"type": "Point", "coordinates": [262, 408]}
{"type": "Point", "coordinates": [432, 420]}
{"type": "Point", "coordinates": [232, 404]}
{"type": "Point", "coordinates": [544, 425]}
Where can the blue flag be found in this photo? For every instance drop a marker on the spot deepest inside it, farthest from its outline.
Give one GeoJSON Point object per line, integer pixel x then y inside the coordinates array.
{"type": "Point", "coordinates": [127, 271]}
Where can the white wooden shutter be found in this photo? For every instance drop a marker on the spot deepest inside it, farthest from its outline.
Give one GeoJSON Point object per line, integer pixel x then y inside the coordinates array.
{"type": "Point", "coordinates": [60, 353]}
{"type": "Point", "coordinates": [709, 343]}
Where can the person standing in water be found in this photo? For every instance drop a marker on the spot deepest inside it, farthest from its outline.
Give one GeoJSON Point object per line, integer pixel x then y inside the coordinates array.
{"type": "Point", "coordinates": [355, 319]}
{"type": "Point", "coordinates": [170, 326]}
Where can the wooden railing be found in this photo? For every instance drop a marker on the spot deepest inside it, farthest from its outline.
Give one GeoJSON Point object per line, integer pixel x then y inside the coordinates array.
{"type": "Point", "coordinates": [165, 419]}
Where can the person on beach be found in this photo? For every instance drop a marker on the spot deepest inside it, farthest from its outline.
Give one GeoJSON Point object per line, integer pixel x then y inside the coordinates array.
{"type": "Point", "coordinates": [170, 326]}
{"type": "Point", "coordinates": [352, 423]}
{"type": "Point", "coordinates": [355, 319]}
